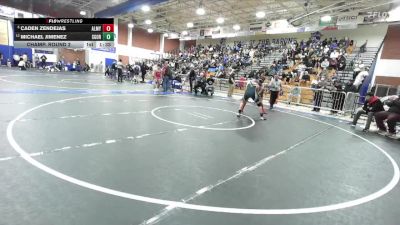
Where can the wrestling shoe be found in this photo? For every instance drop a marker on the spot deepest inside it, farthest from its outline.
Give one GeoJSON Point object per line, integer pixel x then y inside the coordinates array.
{"type": "Point", "coordinates": [391, 135]}
{"type": "Point", "coordinates": [382, 132]}
{"type": "Point", "coordinates": [239, 114]}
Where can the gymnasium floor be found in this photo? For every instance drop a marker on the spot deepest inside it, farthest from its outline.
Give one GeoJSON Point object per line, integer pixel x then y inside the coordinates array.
{"type": "Point", "coordinates": [80, 149]}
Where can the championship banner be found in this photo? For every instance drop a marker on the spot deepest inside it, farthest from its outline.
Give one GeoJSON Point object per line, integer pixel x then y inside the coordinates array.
{"type": "Point", "coordinates": [374, 17]}
{"type": "Point", "coordinates": [347, 19]}
{"type": "Point", "coordinates": [330, 23]}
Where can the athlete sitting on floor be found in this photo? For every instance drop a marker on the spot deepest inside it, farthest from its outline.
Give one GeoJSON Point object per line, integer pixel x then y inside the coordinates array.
{"type": "Point", "coordinates": [254, 90]}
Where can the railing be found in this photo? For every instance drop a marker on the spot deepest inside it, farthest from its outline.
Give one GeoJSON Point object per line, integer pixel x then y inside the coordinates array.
{"type": "Point", "coordinates": [318, 99]}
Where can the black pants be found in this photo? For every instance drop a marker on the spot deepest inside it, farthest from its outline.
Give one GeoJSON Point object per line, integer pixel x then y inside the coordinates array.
{"type": "Point", "coordinates": [119, 75]}
{"type": "Point", "coordinates": [143, 75]}
{"type": "Point", "coordinates": [202, 86]}
{"type": "Point", "coordinates": [391, 119]}
{"type": "Point", "coordinates": [273, 97]}
{"type": "Point", "coordinates": [191, 84]}
{"type": "Point", "coordinates": [317, 101]}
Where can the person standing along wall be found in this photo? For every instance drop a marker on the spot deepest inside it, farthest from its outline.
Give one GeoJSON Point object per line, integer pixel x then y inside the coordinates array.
{"type": "Point", "coordinates": [231, 83]}
{"type": "Point", "coordinates": [167, 76]}
{"type": "Point", "coordinates": [43, 58]}
{"type": "Point", "coordinates": [119, 69]}
{"type": "Point", "coordinates": [143, 70]}
{"type": "Point", "coordinates": [192, 78]}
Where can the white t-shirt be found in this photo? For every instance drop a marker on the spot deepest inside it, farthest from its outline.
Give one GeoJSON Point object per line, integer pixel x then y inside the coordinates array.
{"type": "Point", "coordinates": [275, 85]}
{"type": "Point", "coordinates": [21, 63]}
{"type": "Point", "coordinates": [119, 65]}
{"type": "Point", "coordinates": [360, 77]}
{"type": "Point", "coordinates": [334, 55]}
{"type": "Point", "coordinates": [324, 64]}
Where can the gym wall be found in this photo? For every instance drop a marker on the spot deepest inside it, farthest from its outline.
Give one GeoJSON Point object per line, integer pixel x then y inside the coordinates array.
{"type": "Point", "coordinates": [124, 58]}
{"type": "Point", "coordinates": [171, 44]}
{"type": "Point", "coordinates": [387, 67]}
{"type": "Point", "coordinates": [373, 33]}
{"type": "Point", "coordinates": [122, 34]}
{"type": "Point", "coordinates": [189, 44]}
{"type": "Point", "coordinates": [70, 55]}
{"type": "Point", "coordinates": [143, 39]}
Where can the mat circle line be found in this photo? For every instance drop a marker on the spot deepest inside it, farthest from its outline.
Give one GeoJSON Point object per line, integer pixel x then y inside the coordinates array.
{"type": "Point", "coordinates": [387, 188]}
{"type": "Point", "coordinates": [153, 113]}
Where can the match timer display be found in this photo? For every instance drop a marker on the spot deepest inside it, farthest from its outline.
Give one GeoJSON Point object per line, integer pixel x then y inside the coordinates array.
{"type": "Point", "coordinates": [64, 33]}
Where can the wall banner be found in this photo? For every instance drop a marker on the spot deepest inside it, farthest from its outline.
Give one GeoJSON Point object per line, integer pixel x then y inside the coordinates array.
{"type": "Point", "coordinates": [347, 19]}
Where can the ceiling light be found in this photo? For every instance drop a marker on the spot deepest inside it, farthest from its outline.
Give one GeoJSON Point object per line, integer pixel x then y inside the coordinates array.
{"type": "Point", "coordinates": [260, 14]}
{"type": "Point", "coordinates": [200, 11]}
{"type": "Point", "coordinates": [236, 27]}
{"type": "Point", "coordinates": [131, 25]}
{"type": "Point", "coordinates": [326, 18]}
{"type": "Point", "coordinates": [150, 30]}
{"type": "Point", "coordinates": [184, 33]}
{"type": "Point", "coordinates": [145, 8]}
{"type": "Point", "coordinates": [83, 13]}
{"type": "Point", "coordinates": [148, 22]}
{"type": "Point", "coordinates": [166, 35]}
{"type": "Point", "coordinates": [189, 25]}
{"type": "Point", "coordinates": [220, 20]}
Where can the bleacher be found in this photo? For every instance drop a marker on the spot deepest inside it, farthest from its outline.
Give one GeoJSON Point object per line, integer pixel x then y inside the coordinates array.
{"type": "Point", "coordinates": [367, 58]}
{"type": "Point", "coordinates": [265, 62]}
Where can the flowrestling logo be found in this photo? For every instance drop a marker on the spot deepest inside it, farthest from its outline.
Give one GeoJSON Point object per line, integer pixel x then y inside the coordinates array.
{"type": "Point", "coordinates": [56, 21]}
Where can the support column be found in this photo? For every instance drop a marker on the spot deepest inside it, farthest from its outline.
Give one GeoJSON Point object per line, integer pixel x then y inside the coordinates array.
{"type": "Point", "coordinates": [162, 42]}
{"type": "Point", "coordinates": [130, 36]}
{"type": "Point", "coordinates": [116, 38]}
{"type": "Point", "coordinates": [181, 45]}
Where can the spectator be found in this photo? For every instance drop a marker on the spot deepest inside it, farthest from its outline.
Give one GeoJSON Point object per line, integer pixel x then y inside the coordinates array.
{"type": "Point", "coordinates": [360, 77]}
{"type": "Point", "coordinates": [325, 64]}
{"type": "Point", "coordinates": [231, 83]}
{"type": "Point", "coordinates": [363, 47]}
{"type": "Point", "coordinates": [296, 93]}
{"type": "Point", "coordinates": [192, 78]}
{"type": "Point", "coordinates": [349, 49]}
{"type": "Point", "coordinates": [167, 76]}
{"type": "Point", "coordinates": [338, 97]}
{"type": "Point", "coordinates": [21, 64]}
{"type": "Point", "coordinates": [44, 59]}
{"type": "Point", "coordinates": [334, 55]}
{"type": "Point", "coordinates": [119, 69]}
{"type": "Point", "coordinates": [317, 86]}
{"type": "Point", "coordinates": [341, 63]}
{"type": "Point", "coordinates": [25, 57]}
{"type": "Point", "coordinates": [392, 116]}
{"type": "Point", "coordinates": [350, 87]}
{"type": "Point", "coordinates": [143, 69]}
{"type": "Point", "coordinates": [371, 106]}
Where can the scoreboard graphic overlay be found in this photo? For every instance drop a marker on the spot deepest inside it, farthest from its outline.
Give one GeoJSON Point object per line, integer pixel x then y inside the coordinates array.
{"type": "Point", "coordinates": [64, 33]}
